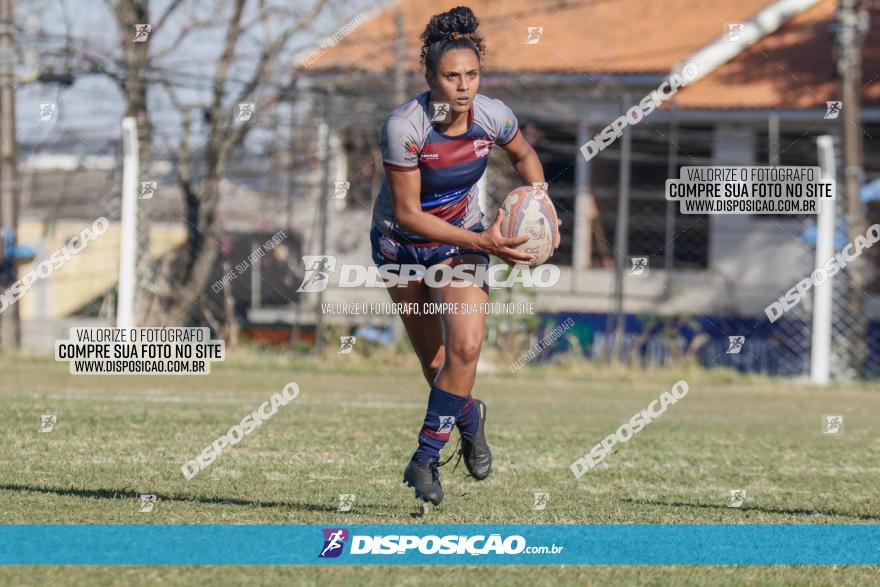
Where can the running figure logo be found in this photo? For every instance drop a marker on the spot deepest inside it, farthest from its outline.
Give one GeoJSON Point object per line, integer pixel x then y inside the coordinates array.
{"type": "Point", "coordinates": [318, 270]}
{"type": "Point", "coordinates": [440, 111]}
{"type": "Point", "coordinates": [832, 424]}
{"type": "Point", "coordinates": [340, 189]}
{"type": "Point", "coordinates": [832, 109]}
{"type": "Point", "coordinates": [737, 496]}
{"type": "Point", "coordinates": [245, 111]}
{"type": "Point", "coordinates": [148, 502]}
{"type": "Point", "coordinates": [334, 540]}
{"type": "Point", "coordinates": [346, 344]}
{"type": "Point", "coordinates": [346, 500]}
{"type": "Point", "coordinates": [47, 112]}
{"type": "Point", "coordinates": [735, 31]}
{"type": "Point", "coordinates": [47, 422]}
{"type": "Point", "coordinates": [639, 265]}
{"type": "Point", "coordinates": [736, 344]}
{"type": "Point", "coordinates": [142, 32]}
{"type": "Point", "coordinates": [535, 33]}
{"type": "Point", "coordinates": [147, 190]}
{"type": "Point", "coordinates": [541, 500]}
{"type": "Point", "coordinates": [446, 424]}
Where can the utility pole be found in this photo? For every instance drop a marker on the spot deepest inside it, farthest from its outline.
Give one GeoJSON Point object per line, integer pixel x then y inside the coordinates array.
{"type": "Point", "coordinates": [581, 252]}
{"type": "Point", "coordinates": [324, 195]}
{"type": "Point", "coordinates": [671, 172]}
{"type": "Point", "coordinates": [621, 239]}
{"type": "Point", "coordinates": [852, 26]}
{"type": "Point", "coordinates": [291, 169]}
{"type": "Point", "coordinates": [10, 325]}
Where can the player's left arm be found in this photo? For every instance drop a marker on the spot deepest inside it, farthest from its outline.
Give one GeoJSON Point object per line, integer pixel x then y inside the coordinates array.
{"type": "Point", "coordinates": [527, 164]}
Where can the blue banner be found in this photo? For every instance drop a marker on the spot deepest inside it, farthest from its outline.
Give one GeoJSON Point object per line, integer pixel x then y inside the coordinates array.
{"type": "Point", "coordinates": [773, 348]}
{"type": "Point", "coordinates": [211, 544]}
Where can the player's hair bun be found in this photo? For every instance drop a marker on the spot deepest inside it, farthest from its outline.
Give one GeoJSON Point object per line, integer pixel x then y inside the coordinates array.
{"type": "Point", "coordinates": [455, 29]}
{"type": "Point", "coordinates": [458, 20]}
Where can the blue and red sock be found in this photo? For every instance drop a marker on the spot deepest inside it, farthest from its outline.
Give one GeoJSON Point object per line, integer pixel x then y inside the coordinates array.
{"type": "Point", "coordinates": [469, 419]}
{"type": "Point", "coordinates": [444, 411]}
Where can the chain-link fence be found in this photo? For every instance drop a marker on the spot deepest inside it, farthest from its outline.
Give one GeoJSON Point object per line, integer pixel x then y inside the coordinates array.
{"type": "Point", "coordinates": [737, 265]}
{"type": "Point", "coordinates": [745, 263]}
{"type": "Point", "coordinates": [709, 277]}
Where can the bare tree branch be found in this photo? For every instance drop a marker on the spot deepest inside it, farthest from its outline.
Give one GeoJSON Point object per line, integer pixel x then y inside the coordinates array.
{"type": "Point", "coordinates": [270, 53]}
{"type": "Point", "coordinates": [182, 35]}
{"type": "Point", "coordinates": [223, 66]}
{"type": "Point", "coordinates": [112, 7]}
{"type": "Point", "coordinates": [175, 4]}
{"type": "Point", "coordinates": [182, 153]}
{"type": "Point", "coordinates": [267, 59]}
{"type": "Point", "coordinates": [265, 14]}
{"type": "Point", "coordinates": [200, 178]}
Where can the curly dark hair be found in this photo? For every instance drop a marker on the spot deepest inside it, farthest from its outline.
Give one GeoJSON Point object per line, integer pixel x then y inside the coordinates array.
{"type": "Point", "coordinates": [456, 29]}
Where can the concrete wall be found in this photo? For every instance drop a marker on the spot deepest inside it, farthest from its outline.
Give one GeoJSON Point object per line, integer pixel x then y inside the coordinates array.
{"type": "Point", "coordinates": [88, 274]}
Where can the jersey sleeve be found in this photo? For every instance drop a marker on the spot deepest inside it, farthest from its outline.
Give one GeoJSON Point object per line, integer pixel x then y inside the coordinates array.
{"type": "Point", "coordinates": [400, 144]}
{"type": "Point", "coordinates": [505, 123]}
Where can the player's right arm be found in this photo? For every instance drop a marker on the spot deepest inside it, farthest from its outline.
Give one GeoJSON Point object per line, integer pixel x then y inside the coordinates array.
{"type": "Point", "coordinates": [399, 151]}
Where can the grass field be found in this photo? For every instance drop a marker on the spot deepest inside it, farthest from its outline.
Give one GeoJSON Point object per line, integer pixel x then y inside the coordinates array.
{"type": "Point", "coordinates": [353, 428]}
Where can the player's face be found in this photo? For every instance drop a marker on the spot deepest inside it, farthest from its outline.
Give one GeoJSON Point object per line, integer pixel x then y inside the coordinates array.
{"type": "Point", "coordinates": [457, 79]}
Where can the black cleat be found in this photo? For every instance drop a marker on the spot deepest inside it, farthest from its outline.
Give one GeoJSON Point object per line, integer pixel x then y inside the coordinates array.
{"type": "Point", "coordinates": [425, 478]}
{"type": "Point", "coordinates": [475, 450]}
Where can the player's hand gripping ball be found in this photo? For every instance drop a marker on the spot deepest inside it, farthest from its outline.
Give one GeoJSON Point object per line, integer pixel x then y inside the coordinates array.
{"type": "Point", "coordinates": [528, 211]}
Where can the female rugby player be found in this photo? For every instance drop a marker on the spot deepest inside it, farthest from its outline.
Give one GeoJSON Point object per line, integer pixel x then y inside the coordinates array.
{"type": "Point", "coordinates": [427, 213]}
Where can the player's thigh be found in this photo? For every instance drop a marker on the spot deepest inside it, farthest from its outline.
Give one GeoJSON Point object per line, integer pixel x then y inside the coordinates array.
{"type": "Point", "coordinates": [463, 328]}
{"type": "Point", "coordinates": [425, 331]}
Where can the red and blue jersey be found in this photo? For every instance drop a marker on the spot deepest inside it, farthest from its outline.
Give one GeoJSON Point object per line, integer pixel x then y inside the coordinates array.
{"type": "Point", "coordinates": [450, 166]}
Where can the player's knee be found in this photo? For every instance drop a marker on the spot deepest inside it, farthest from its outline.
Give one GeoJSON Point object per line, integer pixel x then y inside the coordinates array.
{"type": "Point", "coordinates": [466, 348]}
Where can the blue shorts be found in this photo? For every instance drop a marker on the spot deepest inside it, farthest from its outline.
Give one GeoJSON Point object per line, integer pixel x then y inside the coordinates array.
{"type": "Point", "coordinates": [393, 249]}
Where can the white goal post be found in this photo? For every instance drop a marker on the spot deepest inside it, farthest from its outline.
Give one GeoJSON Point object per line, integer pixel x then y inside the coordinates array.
{"type": "Point", "coordinates": [820, 349]}
{"type": "Point", "coordinates": [128, 236]}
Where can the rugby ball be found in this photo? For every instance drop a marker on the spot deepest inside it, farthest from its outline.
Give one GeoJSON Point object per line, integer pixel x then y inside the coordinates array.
{"type": "Point", "coordinates": [528, 211]}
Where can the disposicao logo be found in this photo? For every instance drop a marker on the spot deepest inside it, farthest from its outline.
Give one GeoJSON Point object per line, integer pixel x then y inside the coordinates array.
{"type": "Point", "coordinates": [334, 540]}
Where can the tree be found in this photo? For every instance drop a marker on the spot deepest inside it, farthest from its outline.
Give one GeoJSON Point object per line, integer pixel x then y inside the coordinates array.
{"type": "Point", "coordinates": [181, 283]}
{"type": "Point", "coordinates": [252, 40]}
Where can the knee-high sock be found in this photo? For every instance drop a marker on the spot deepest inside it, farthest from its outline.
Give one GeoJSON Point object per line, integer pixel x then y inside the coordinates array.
{"type": "Point", "coordinates": [443, 411]}
{"type": "Point", "coordinates": [469, 418]}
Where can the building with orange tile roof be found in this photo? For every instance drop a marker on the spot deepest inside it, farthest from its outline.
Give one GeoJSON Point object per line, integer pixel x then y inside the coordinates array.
{"type": "Point", "coordinates": [759, 99]}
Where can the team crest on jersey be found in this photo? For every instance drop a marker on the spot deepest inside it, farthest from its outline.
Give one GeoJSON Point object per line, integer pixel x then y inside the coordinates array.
{"type": "Point", "coordinates": [481, 147]}
{"type": "Point", "coordinates": [411, 147]}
